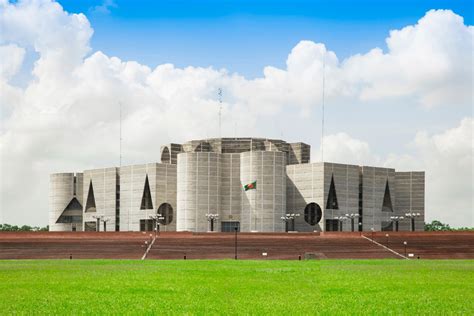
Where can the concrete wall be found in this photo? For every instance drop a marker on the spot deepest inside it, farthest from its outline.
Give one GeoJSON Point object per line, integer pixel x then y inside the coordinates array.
{"type": "Point", "coordinates": [104, 182]}
{"type": "Point", "coordinates": [262, 208]}
{"type": "Point", "coordinates": [304, 186]}
{"type": "Point", "coordinates": [61, 192]}
{"type": "Point", "coordinates": [346, 183]}
{"type": "Point", "coordinates": [198, 189]}
{"type": "Point", "coordinates": [162, 183]}
{"type": "Point", "coordinates": [299, 153]}
{"type": "Point", "coordinates": [373, 190]}
{"type": "Point", "coordinates": [410, 193]}
{"type": "Point", "coordinates": [231, 188]}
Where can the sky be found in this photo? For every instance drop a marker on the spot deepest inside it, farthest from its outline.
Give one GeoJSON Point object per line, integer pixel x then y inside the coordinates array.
{"type": "Point", "coordinates": [398, 87]}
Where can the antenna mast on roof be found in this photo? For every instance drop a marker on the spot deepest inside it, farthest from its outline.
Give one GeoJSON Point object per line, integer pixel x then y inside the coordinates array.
{"type": "Point", "coordinates": [322, 116]}
{"type": "Point", "coordinates": [219, 93]}
{"type": "Point", "coordinates": [120, 136]}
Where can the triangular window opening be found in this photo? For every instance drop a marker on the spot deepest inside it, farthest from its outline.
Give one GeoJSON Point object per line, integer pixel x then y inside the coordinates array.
{"type": "Point", "coordinates": [90, 203]}
{"type": "Point", "coordinates": [332, 197]}
{"type": "Point", "coordinates": [387, 200]}
{"type": "Point", "coordinates": [72, 213]}
{"type": "Point", "coordinates": [146, 198]}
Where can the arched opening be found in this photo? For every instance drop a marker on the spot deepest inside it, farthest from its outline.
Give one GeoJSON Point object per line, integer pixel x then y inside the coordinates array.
{"type": "Point", "coordinates": [165, 155]}
{"type": "Point", "coordinates": [203, 147]}
{"type": "Point", "coordinates": [166, 210]}
{"type": "Point", "coordinates": [312, 214]}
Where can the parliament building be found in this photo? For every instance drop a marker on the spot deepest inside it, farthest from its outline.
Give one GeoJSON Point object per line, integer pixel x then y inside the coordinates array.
{"type": "Point", "coordinates": [244, 184]}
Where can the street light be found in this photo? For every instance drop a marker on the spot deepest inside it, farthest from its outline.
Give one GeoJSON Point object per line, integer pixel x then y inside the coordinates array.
{"type": "Point", "coordinates": [352, 216]}
{"type": "Point", "coordinates": [156, 218]}
{"type": "Point", "coordinates": [235, 244]}
{"type": "Point", "coordinates": [98, 218]}
{"type": "Point", "coordinates": [290, 217]}
{"type": "Point", "coordinates": [412, 216]}
{"type": "Point", "coordinates": [340, 220]}
{"type": "Point", "coordinates": [396, 219]}
{"type": "Point", "coordinates": [211, 218]}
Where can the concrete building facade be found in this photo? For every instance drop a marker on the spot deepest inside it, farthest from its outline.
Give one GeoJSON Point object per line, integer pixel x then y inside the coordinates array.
{"type": "Point", "coordinates": [203, 177]}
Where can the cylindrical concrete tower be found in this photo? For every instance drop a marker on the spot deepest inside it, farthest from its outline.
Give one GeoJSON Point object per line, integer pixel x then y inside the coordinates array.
{"type": "Point", "coordinates": [263, 207]}
{"type": "Point", "coordinates": [198, 190]}
{"type": "Point", "coordinates": [65, 202]}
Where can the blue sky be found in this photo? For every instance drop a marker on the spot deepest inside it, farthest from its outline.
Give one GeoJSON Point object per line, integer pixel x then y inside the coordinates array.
{"type": "Point", "coordinates": [245, 36]}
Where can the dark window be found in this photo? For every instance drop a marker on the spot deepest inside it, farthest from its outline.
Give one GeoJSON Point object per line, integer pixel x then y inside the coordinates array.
{"type": "Point", "coordinates": [90, 226]}
{"type": "Point", "coordinates": [332, 225]}
{"type": "Point", "coordinates": [387, 201]}
{"type": "Point", "coordinates": [90, 204]}
{"type": "Point", "coordinates": [146, 225]}
{"type": "Point", "coordinates": [166, 210]}
{"type": "Point", "coordinates": [229, 227]}
{"type": "Point", "coordinates": [312, 213]}
{"type": "Point", "coordinates": [387, 226]}
{"type": "Point", "coordinates": [146, 198]}
{"type": "Point", "coordinates": [74, 186]}
{"type": "Point", "coordinates": [332, 197]}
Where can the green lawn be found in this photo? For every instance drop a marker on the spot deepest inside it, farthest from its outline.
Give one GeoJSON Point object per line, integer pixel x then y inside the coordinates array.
{"type": "Point", "coordinates": [237, 287]}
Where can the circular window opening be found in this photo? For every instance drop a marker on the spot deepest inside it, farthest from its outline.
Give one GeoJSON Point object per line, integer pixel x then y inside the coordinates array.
{"type": "Point", "coordinates": [312, 213]}
{"type": "Point", "coordinates": [166, 211]}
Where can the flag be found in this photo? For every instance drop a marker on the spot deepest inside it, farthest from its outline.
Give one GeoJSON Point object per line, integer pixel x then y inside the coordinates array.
{"type": "Point", "coordinates": [251, 186]}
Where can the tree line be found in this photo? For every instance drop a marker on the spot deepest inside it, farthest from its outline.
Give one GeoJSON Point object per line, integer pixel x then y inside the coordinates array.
{"type": "Point", "coordinates": [24, 228]}
{"type": "Point", "coordinates": [438, 226]}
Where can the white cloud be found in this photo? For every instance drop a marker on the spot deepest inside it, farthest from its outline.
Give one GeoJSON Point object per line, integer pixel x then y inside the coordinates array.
{"type": "Point", "coordinates": [448, 161]}
{"type": "Point", "coordinates": [66, 117]}
{"type": "Point", "coordinates": [342, 148]}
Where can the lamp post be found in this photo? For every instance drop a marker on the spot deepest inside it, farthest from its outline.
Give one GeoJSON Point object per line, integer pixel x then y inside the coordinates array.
{"type": "Point", "coordinates": [156, 218]}
{"type": "Point", "coordinates": [340, 220]}
{"type": "Point", "coordinates": [352, 216]}
{"type": "Point", "coordinates": [105, 220]}
{"type": "Point", "coordinates": [412, 217]}
{"type": "Point", "coordinates": [396, 219]}
{"type": "Point", "coordinates": [290, 217]}
{"type": "Point", "coordinates": [405, 244]}
{"type": "Point", "coordinates": [235, 244]}
{"type": "Point", "coordinates": [98, 219]}
{"type": "Point", "coordinates": [211, 218]}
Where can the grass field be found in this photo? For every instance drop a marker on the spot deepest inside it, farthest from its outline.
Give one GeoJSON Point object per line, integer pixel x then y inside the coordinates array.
{"type": "Point", "coordinates": [237, 287]}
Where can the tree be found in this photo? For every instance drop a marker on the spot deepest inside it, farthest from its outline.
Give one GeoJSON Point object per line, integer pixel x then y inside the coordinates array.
{"type": "Point", "coordinates": [24, 228]}
{"type": "Point", "coordinates": [437, 226]}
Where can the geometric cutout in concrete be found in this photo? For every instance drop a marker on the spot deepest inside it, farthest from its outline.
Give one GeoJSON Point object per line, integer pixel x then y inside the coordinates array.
{"type": "Point", "coordinates": [166, 211]}
{"type": "Point", "coordinates": [90, 203]}
{"type": "Point", "coordinates": [146, 204]}
{"type": "Point", "coordinates": [72, 213]}
{"type": "Point", "coordinates": [387, 200]}
{"type": "Point", "coordinates": [312, 213]}
{"type": "Point", "coordinates": [332, 197]}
